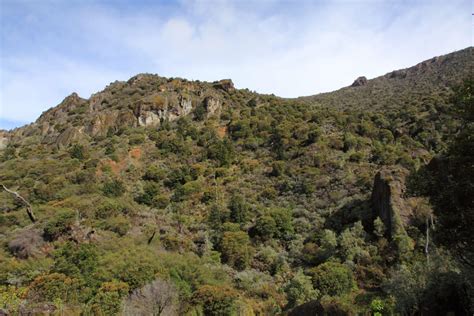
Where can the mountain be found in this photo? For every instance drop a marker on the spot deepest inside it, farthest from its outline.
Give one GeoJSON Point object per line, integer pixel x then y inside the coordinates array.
{"type": "Point", "coordinates": [175, 197]}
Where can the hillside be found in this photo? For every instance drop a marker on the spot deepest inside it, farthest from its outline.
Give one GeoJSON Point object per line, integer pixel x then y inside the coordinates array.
{"type": "Point", "coordinates": [176, 197]}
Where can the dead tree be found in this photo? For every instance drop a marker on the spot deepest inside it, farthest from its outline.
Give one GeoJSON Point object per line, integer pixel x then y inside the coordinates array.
{"type": "Point", "coordinates": [23, 201]}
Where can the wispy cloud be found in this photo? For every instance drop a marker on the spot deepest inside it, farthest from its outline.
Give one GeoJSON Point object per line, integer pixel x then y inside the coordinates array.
{"type": "Point", "coordinates": [291, 48]}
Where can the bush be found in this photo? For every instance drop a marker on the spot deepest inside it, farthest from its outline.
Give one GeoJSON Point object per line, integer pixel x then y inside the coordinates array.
{"type": "Point", "coordinates": [50, 287]}
{"type": "Point", "coordinates": [236, 249]}
{"type": "Point", "coordinates": [265, 227]}
{"type": "Point", "coordinates": [114, 188]}
{"type": "Point", "coordinates": [300, 290]}
{"type": "Point", "coordinates": [238, 209]}
{"type": "Point", "coordinates": [78, 152]}
{"type": "Point", "coordinates": [332, 278]}
{"type": "Point", "coordinates": [109, 208]}
{"type": "Point", "coordinates": [118, 224]}
{"type": "Point", "coordinates": [136, 139]}
{"type": "Point", "coordinates": [77, 260]}
{"type": "Point", "coordinates": [59, 224]}
{"type": "Point", "coordinates": [216, 300]}
{"type": "Point", "coordinates": [154, 173]}
{"type": "Point", "coordinates": [108, 300]}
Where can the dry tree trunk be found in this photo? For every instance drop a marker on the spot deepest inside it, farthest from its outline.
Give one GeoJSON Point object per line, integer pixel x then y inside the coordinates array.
{"type": "Point", "coordinates": [29, 209]}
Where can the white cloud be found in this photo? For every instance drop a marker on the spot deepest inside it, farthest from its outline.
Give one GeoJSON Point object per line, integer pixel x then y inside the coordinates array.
{"type": "Point", "coordinates": [286, 48]}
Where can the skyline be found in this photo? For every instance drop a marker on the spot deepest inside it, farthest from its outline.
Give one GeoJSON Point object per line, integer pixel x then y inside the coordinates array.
{"type": "Point", "coordinates": [291, 48]}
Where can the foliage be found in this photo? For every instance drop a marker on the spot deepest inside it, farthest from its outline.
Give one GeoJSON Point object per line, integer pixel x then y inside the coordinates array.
{"type": "Point", "coordinates": [114, 188]}
{"type": "Point", "coordinates": [332, 278]}
{"type": "Point", "coordinates": [59, 224]}
{"type": "Point", "coordinates": [236, 249]}
{"type": "Point", "coordinates": [216, 300]}
{"type": "Point", "coordinates": [300, 290]}
{"type": "Point", "coordinates": [259, 203]}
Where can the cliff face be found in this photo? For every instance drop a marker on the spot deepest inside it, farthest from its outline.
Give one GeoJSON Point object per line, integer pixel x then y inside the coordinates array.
{"type": "Point", "coordinates": [144, 100]}
{"type": "Point", "coordinates": [388, 200]}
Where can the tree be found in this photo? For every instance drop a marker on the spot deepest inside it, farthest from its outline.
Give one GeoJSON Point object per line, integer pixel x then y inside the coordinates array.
{"type": "Point", "coordinates": [238, 209]}
{"type": "Point", "coordinates": [332, 278]}
{"type": "Point", "coordinates": [114, 188]}
{"type": "Point", "coordinates": [78, 152]}
{"type": "Point", "coordinates": [283, 220]}
{"type": "Point", "coordinates": [108, 299]}
{"type": "Point", "coordinates": [265, 227]}
{"type": "Point", "coordinates": [379, 228]}
{"type": "Point", "coordinates": [59, 224]}
{"type": "Point", "coordinates": [50, 287]}
{"type": "Point", "coordinates": [216, 300]}
{"type": "Point", "coordinates": [299, 290]}
{"type": "Point", "coordinates": [77, 260]}
{"type": "Point", "coordinates": [159, 297]}
{"type": "Point", "coordinates": [352, 242]}
{"type": "Point", "coordinates": [449, 181]}
{"type": "Point", "coordinates": [236, 249]}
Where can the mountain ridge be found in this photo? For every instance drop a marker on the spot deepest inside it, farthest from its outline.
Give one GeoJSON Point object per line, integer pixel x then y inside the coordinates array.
{"type": "Point", "coordinates": [210, 200]}
{"type": "Point", "coordinates": [324, 98]}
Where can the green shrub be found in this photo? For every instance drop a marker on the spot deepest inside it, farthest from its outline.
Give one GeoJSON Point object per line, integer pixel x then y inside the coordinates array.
{"type": "Point", "coordinates": [109, 208]}
{"type": "Point", "coordinates": [332, 278]}
{"type": "Point", "coordinates": [78, 152]}
{"type": "Point", "coordinates": [108, 300]}
{"type": "Point", "coordinates": [300, 290]}
{"type": "Point", "coordinates": [236, 249]}
{"type": "Point", "coordinates": [216, 300]}
{"type": "Point", "coordinates": [59, 224]}
{"type": "Point", "coordinates": [238, 209]}
{"type": "Point", "coordinates": [54, 286]}
{"type": "Point", "coordinates": [265, 227]}
{"type": "Point", "coordinates": [114, 188]}
{"type": "Point", "coordinates": [117, 224]}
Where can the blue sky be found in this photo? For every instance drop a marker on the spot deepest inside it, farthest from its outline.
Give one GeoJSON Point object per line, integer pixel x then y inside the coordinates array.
{"type": "Point", "coordinates": [51, 48]}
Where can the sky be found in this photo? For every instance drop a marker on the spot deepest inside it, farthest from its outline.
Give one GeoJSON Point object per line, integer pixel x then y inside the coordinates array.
{"type": "Point", "coordinates": [51, 48]}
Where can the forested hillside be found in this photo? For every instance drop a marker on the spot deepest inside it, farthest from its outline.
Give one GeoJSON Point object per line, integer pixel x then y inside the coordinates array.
{"type": "Point", "coordinates": [163, 196]}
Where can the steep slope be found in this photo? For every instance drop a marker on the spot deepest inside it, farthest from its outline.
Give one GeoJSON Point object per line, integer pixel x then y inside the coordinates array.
{"type": "Point", "coordinates": [430, 79]}
{"type": "Point", "coordinates": [144, 100]}
{"type": "Point", "coordinates": [199, 198]}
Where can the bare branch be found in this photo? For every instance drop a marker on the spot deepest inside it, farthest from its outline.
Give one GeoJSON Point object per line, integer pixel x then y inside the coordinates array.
{"type": "Point", "coordinates": [29, 208]}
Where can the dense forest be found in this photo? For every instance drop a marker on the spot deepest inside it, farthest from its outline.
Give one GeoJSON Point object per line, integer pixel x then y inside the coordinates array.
{"type": "Point", "coordinates": [163, 196]}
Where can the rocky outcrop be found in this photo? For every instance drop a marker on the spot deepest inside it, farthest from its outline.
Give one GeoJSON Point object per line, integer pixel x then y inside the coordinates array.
{"type": "Point", "coordinates": [388, 200]}
{"type": "Point", "coordinates": [152, 111]}
{"type": "Point", "coordinates": [69, 136]}
{"type": "Point", "coordinates": [225, 84]}
{"type": "Point", "coordinates": [212, 105]}
{"type": "Point", "coordinates": [62, 111]}
{"type": "Point", "coordinates": [4, 140]}
{"type": "Point", "coordinates": [361, 81]}
{"type": "Point", "coordinates": [144, 100]}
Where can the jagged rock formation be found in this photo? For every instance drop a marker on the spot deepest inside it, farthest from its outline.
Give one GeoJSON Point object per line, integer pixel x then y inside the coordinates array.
{"type": "Point", "coordinates": [360, 81]}
{"type": "Point", "coordinates": [388, 202]}
{"type": "Point", "coordinates": [144, 100]}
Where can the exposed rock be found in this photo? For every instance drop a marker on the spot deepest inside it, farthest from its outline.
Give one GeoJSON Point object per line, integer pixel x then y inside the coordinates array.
{"type": "Point", "coordinates": [149, 118]}
{"type": "Point", "coordinates": [212, 105]}
{"type": "Point", "coordinates": [60, 112]}
{"type": "Point", "coordinates": [101, 123]}
{"type": "Point", "coordinates": [225, 84]}
{"type": "Point", "coordinates": [361, 81]}
{"type": "Point", "coordinates": [69, 136]}
{"type": "Point", "coordinates": [388, 202]}
{"type": "Point", "coordinates": [4, 140]}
